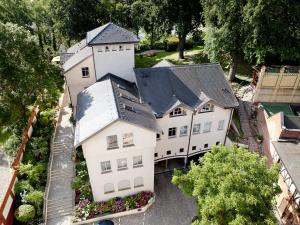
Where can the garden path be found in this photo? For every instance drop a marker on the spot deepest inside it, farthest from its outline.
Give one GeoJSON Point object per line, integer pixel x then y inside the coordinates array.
{"type": "Point", "coordinates": [5, 174]}
{"type": "Point", "coordinates": [60, 202]}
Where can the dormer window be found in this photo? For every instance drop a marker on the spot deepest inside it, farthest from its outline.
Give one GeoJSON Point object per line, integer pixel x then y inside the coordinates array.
{"type": "Point", "coordinates": [85, 72]}
{"type": "Point", "coordinates": [178, 112]}
{"type": "Point", "coordinates": [120, 48]}
{"type": "Point", "coordinates": [106, 48]}
{"type": "Point", "coordinates": [207, 108]}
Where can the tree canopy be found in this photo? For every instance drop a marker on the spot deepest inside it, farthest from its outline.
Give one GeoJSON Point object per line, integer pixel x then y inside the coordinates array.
{"type": "Point", "coordinates": [231, 186]}
{"type": "Point", "coordinates": [25, 72]}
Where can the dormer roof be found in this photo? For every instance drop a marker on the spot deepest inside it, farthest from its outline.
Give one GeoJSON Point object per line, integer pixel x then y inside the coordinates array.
{"type": "Point", "coordinates": [110, 33]}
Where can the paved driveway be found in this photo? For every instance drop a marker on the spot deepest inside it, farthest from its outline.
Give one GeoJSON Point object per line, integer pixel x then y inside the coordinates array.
{"type": "Point", "coordinates": [171, 206]}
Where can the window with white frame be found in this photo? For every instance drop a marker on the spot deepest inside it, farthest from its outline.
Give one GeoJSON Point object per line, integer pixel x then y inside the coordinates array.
{"type": "Point", "coordinates": [120, 48]}
{"type": "Point", "coordinates": [85, 72]}
{"type": "Point", "coordinates": [123, 185]}
{"type": "Point", "coordinates": [112, 141]}
{"type": "Point", "coordinates": [207, 108]}
{"type": "Point", "coordinates": [122, 164]}
{"type": "Point", "coordinates": [105, 167]}
{"type": "Point", "coordinates": [178, 112]}
{"type": "Point", "coordinates": [172, 132]}
{"type": "Point", "coordinates": [221, 124]}
{"type": "Point", "coordinates": [109, 188]}
{"type": "Point", "coordinates": [157, 136]}
{"type": "Point", "coordinates": [138, 182]}
{"type": "Point", "coordinates": [207, 127]}
{"type": "Point", "coordinates": [183, 130]}
{"type": "Point", "coordinates": [106, 48]}
{"type": "Point", "coordinates": [127, 139]}
{"type": "Point", "coordinates": [137, 161]}
{"type": "Point", "coordinates": [196, 128]}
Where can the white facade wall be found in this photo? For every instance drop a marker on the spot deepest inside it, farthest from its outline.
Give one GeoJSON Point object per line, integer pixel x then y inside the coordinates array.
{"type": "Point", "coordinates": [95, 151]}
{"type": "Point", "coordinates": [76, 83]}
{"type": "Point", "coordinates": [120, 63]}
{"type": "Point", "coordinates": [199, 140]}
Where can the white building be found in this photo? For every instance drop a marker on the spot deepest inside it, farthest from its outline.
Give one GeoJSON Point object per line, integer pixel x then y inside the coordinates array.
{"type": "Point", "coordinates": [128, 119]}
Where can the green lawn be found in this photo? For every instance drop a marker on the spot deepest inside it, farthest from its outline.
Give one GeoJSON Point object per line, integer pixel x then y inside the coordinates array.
{"type": "Point", "coordinates": [194, 55]}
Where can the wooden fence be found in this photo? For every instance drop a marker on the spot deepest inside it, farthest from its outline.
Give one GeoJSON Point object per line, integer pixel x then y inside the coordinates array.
{"type": "Point", "coordinates": [6, 207]}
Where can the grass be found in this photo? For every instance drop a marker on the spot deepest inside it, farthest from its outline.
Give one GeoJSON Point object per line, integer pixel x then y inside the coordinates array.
{"type": "Point", "coordinates": [195, 53]}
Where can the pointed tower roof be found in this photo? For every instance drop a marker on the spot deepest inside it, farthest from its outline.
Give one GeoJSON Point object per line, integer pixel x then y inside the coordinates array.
{"type": "Point", "coordinates": [110, 33]}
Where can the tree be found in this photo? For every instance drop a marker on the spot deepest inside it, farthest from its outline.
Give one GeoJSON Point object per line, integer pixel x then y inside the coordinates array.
{"type": "Point", "coordinates": [26, 74]}
{"type": "Point", "coordinates": [184, 16]}
{"type": "Point", "coordinates": [273, 29]}
{"type": "Point", "coordinates": [231, 186]}
{"type": "Point", "coordinates": [224, 36]}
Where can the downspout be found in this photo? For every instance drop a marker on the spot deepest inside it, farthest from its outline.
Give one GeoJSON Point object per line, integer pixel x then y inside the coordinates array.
{"type": "Point", "coordinates": [94, 65]}
{"type": "Point", "coordinates": [189, 143]}
{"type": "Point", "coordinates": [231, 114]}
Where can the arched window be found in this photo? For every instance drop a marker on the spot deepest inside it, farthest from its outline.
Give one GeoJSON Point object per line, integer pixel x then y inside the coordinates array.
{"type": "Point", "coordinates": [108, 188]}
{"type": "Point", "coordinates": [123, 185]}
{"type": "Point", "coordinates": [138, 182]}
{"type": "Point", "coordinates": [178, 112]}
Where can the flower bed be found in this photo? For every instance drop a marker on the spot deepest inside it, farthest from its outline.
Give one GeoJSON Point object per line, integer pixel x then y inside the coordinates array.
{"type": "Point", "coordinates": [87, 209]}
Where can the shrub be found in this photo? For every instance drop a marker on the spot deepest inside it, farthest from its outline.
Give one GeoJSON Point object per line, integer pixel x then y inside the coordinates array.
{"type": "Point", "coordinates": [12, 145]}
{"type": "Point", "coordinates": [47, 117]}
{"type": "Point", "coordinates": [23, 185]}
{"type": "Point", "coordinates": [36, 174]}
{"type": "Point", "coordinates": [36, 198]}
{"type": "Point", "coordinates": [25, 213]}
{"type": "Point", "coordinates": [39, 147]}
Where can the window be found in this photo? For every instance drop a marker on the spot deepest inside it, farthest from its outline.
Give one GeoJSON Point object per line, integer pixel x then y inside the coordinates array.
{"type": "Point", "coordinates": [207, 127]}
{"type": "Point", "coordinates": [123, 185]}
{"type": "Point", "coordinates": [120, 48]}
{"type": "Point", "coordinates": [217, 143]}
{"type": "Point", "coordinates": [155, 154]}
{"type": "Point", "coordinates": [169, 152]}
{"type": "Point", "coordinates": [122, 164]}
{"type": "Point", "coordinates": [172, 132]}
{"type": "Point", "coordinates": [183, 130]}
{"type": "Point", "coordinates": [138, 182]}
{"type": "Point", "coordinates": [206, 146]}
{"type": "Point", "coordinates": [109, 188]}
{"type": "Point", "coordinates": [194, 148]}
{"type": "Point", "coordinates": [105, 166]}
{"type": "Point", "coordinates": [85, 72]}
{"type": "Point", "coordinates": [207, 108]}
{"type": "Point", "coordinates": [221, 125]}
{"type": "Point", "coordinates": [114, 48]}
{"type": "Point", "coordinates": [129, 108]}
{"type": "Point", "coordinates": [181, 150]}
{"type": "Point", "coordinates": [137, 161]}
{"type": "Point", "coordinates": [196, 128]}
{"type": "Point", "coordinates": [127, 139]}
{"type": "Point", "coordinates": [106, 48]}
{"type": "Point", "coordinates": [112, 142]}
{"type": "Point", "coordinates": [177, 112]}
{"type": "Point", "coordinates": [157, 136]}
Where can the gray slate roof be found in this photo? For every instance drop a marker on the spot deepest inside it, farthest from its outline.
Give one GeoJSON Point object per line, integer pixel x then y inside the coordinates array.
{"type": "Point", "coordinates": [77, 58]}
{"type": "Point", "coordinates": [110, 34]}
{"type": "Point", "coordinates": [163, 63]}
{"type": "Point", "coordinates": [64, 57]}
{"type": "Point", "coordinates": [292, 122]}
{"type": "Point", "coordinates": [192, 85]}
{"type": "Point", "coordinates": [77, 46]}
{"type": "Point", "coordinates": [104, 102]}
{"type": "Point", "coordinates": [289, 154]}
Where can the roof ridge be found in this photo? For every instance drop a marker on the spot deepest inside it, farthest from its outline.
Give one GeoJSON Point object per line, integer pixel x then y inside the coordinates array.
{"type": "Point", "coordinates": [180, 66]}
{"type": "Point", "coordinates": [106, 25]}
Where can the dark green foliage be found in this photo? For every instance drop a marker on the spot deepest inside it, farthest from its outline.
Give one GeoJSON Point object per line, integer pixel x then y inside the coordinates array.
{"type": "Point", "coordinates": [23, 185]}
{"type": "Point", "coordinates": [231, 186]}
{"type": "Point", "coordinates": [12, 145]}
{"type": "Point", "coordinates": [35, 174]}
{"type": "Point", "coordinates": [25, 213]}
{"type": "Point", "coordinates": [36, 199]}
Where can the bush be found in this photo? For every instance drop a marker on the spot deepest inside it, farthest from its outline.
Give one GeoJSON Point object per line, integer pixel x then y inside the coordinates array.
{"type": "Point", "coordinates": [39, 147]}
{"type": "Point", "coordinates": [25, 213]}
{"type": "Point", "coordinates": [36, 198]}
{"type": "Point", "coordinates": [12, 145]}
{"type": "Point", "coordinates": [47, 117]}
{"type": "Point", "coordinates": [23, 185]}
{"type": "Point", "coordinates": [36, 174]}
